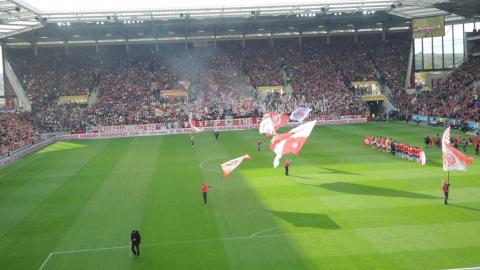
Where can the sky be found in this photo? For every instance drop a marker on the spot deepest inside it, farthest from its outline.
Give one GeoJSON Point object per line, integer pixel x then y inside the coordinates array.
{"type": "Point", "coordinates": [95, 5]}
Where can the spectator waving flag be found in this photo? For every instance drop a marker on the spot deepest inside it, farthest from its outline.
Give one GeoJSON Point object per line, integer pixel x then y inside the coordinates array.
{"type": "Point", "coordinates": [194, 128]}
{"type": "Point", "coordinates": [300, 114]}
{"type": "Point", "coordinates": [452, 158]}
{"type": "Point", "coordinates": [290, 142]}
{"type": "Point", "coordinates": [271, 122]}
{"type": "Point", "coordinates": [230, 165]}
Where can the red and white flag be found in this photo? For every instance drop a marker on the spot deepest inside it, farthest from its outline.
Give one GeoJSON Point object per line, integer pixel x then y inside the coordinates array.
{"type": "Point", "coordinates": [194, 128]}
{"type": "Point", "coordinates": [271, 122]}
{"type": "Point", "coordinates": [452, 158]}
{"type": "Point", "coordinates": [300, 114]}
{"type": "Point", "coordinates": [230, 165]}
{"type": "Point", "coordinates": [290, 142]}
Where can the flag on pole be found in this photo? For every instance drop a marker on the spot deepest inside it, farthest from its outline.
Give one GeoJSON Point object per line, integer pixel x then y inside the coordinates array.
{"type": "Point", "coordinates": [190, 121]}
{"type": "Point", "coordinates": [452, 158]}
{"type": "Point", "coordinates": [290, 142]}
{"type": "Point", "coordinates": [300, 114]}
{"type": "Point", "coordinates": [271, 122]}
{"type": "Point", "coordinates": [230, 165]}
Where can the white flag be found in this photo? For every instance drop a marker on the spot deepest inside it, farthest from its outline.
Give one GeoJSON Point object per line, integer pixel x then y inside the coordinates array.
{"type": "Point", "coordinates": [300, 114]}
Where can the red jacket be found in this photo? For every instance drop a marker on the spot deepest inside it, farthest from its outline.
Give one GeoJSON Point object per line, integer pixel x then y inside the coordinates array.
{"type": "Point", "coordinates": [445, 187]}
{"type": "Point", "coordinates": [204, 187]}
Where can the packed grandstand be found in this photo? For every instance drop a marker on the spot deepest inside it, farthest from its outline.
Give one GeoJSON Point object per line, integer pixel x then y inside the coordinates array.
{"type": "Point", "coordinates": [127, 87]}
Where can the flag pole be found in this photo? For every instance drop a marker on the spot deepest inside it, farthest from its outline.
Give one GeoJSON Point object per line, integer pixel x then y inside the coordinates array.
{"type": "Point", "coordinates": [448, 178]}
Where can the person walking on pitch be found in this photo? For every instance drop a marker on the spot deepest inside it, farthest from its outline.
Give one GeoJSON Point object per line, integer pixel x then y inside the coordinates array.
{"type": "Point", "coordinates": [204, 191]}
{"type": "Point", "coordinates": [216, 135]}
{"type": "Point", "coordinates": [445, 189]}
{"type": "Point", "coordinates": [192, 139]}
{"type": "Point", "coordinates": [136, 239]}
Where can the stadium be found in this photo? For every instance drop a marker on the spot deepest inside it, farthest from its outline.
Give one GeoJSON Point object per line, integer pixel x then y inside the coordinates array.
{"type": "Point", "coordinates": [276, 134]}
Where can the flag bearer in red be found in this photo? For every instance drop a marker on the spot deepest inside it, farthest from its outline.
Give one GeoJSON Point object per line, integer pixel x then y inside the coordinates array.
{"type": "Point", "coordinates": [285, 165]}
{"type": "Point", "coordinates": [204, 191]}
{"type": "Point", "coordinates": [445, 188]}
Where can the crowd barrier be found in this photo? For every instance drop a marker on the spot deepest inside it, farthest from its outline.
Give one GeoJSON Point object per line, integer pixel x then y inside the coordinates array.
{"type": "Point", "coordinates": [130, 131]}
{"type": "Point", "coordinates": [433, 120]}
{"type": "Point", "coordinates": [5, 161]}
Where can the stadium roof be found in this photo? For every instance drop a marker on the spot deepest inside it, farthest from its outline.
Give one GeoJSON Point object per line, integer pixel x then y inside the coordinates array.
{"type": "Point", "coordinates": [217, 22]}
{"type": "Point", "coordinates": [17, 17]}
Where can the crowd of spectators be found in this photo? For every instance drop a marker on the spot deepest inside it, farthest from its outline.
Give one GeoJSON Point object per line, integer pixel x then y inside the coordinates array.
{"type": "Point", "coordinates": [262, 65]}
{"type": "Point", "coordinates": [391, 59]}
{"type": "Point", "coordinates": [317, 83]}
{"type": "Point", "coordinates": [219, 82]}
{"type": "Point", "coordinates": [354, 62]}
{"type": "Point", "coordinates": [455, 97]}
{"type": "Point", "coordinates": [16, 131]}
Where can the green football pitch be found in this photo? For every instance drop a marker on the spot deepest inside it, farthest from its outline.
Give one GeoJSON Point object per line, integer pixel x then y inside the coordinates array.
{"type": "Point", "coordinates": [73, 205]}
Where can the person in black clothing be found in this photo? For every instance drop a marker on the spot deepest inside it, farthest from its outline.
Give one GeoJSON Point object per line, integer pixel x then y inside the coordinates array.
{"type": "Point", "coordinates": [286, 164]}
{"type": "Point", "coordinates": [216, 135]}
{"type": "Point", "coordinates": [136, 239]}
{"type": "Point", "coordinates": [427, 141]}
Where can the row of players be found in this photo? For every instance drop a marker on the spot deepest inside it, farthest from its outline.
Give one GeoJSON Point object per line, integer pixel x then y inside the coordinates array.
{"type": "Point", "coordinates": [401, 150]}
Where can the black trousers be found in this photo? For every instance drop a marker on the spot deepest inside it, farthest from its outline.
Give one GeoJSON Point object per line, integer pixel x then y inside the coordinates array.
{"type": "Point", "coordinates": [205, 197]}
{"type": "Point", "coordinates": [286, 170]}
{"type": "Point", "coordinates": [445, 193]}
{"type": "Point", "coordinates": [476, 151]}
{"type": "Point", "coordinates": [136, 249]}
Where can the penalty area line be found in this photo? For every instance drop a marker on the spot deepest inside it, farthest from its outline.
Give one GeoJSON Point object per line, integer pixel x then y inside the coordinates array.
{"type": "Point", "coordinates": [250, 237]}
{"type": "Point", "coordinates": [45, 261]}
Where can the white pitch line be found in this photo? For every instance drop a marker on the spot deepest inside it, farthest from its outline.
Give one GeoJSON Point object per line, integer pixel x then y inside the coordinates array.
{"type": "Point", "coordinates": [266, 230]}
{"type": "Point", "coordinates": [468, 268]}
{"type": "Point", "coordinates": [46, 261]}
{"type": "Point", "coordinates": [207, 169]}
{"type": "Point", "coordinates": [250, 237]}
{"type": "Point", "coordinates": [89, 250]}
{"type": "Point", "coordinates": [134, 140]}
{"type": "Point", "coordinates": [255, 236]}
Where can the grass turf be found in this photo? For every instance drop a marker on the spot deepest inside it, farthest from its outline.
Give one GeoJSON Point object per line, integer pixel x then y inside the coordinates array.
{"type": "Point", "coordinates": [345, 206]}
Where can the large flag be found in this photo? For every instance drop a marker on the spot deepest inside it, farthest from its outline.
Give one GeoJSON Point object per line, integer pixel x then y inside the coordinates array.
{"type": "Point", "coordinates": [230, 165]}
{"type": "Point", "coordinates": [452, 158]}
{"type": "Point", "coordinates": [290, 142]}
{"type": "Point", "coordinates": [194, 128]}
{"type": "Point", "coordinates": [271, 122]}
{"type": "Point", "coordinates": [300, 114]}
